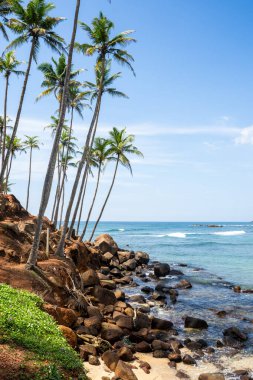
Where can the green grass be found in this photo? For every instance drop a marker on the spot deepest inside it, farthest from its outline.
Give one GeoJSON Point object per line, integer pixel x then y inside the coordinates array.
{"type": "Point", "coordinates": [24, 323]}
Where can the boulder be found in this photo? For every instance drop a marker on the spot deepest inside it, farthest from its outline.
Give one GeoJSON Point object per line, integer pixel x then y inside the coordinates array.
{"type": "Point", "coordinates": [138, 298]}
{"type": "Point", "coordinates": [124, 371]}
{"type": "Point", "coordinates": [195, 323]}
{"type": "Point", "coordinates": [89, 278]}
{"type": "Point", "coordinates": [92, 325]}
{"type": "Point", "coordinates": [93, 360]}
{"type": "Point", "coordinates": [175, 357]}
{"type": "Point", "coordinates": [161, 270]}
{"type": "Point", "coordinates": [110, 359]}
{"type": "Point", "coordinates": [124, 321]}
{"type": "Point", "coordinates": [120, 295]}
{"type": "Point", "coordinates": [86, 350]}
{"type": "Point", "coordinates": [107, 257]}
{"type": "Point", "coordinates": [143, 347]}
{"type": "Point", "coordinates": [108, 284]}
{"type": "Point", "coordinates": [141, 321]}
{"type": "Point", "coordinates": [235, 333]}
{"type": "Point", "coordinates": [161, 324]}
{"type": "Point", "coordinates": [129, 265]}
{"type": "Point", "coordinates": [142, 258]}
{"type": "Point", "coordinates": [125, 354]}
{"type": "Point", "coordinates": [160, 354]}
{"type": "Point", "coordinates": [62, 315]}
{"type": "Point", "coordinates": [183, 284]}
{"type": "Point", "coordinates": [123, 256]}
{"type": "Point", "coordinates": [105, 243]}
{"type": "Point", "coordinates": [147, 289]}
{"type": "Point", "coordinates": [69, 335]}
{"type": "Point", "coordinates": [104, 296]}
{"type": "Point", "coordinates": [211, 376]}
{"type": "Point", "coordinates": [188, 359]}
{"type": "Point", "coordinates": [111, 332]}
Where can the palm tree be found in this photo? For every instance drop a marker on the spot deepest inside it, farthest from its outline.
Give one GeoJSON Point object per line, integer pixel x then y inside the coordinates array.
{"type": "Point", "coordinates": [54, 77]}
{"type": "Point", "coordinates": [105, 48]}
{"type": "Point", "coordinates": [33, 24]}
{"type": "Point", "coordinates": [32, 260]}
{"type": "Point", "coordinates": [8, 66]}
{"type": "Point", "coordinates": [121, 145]}
{"type": "Point", "coordinates": [16, 147]}
{"type": "Point", "coordinates": [101, 154]}
{"type": "Point", "coordinates": [31, 142]}
{"type": "Point", "coordinates": [5, 10]}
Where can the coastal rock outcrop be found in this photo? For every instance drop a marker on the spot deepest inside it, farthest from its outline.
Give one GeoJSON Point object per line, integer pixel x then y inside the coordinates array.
{"type": "Point", "coordinates": [161, 269]}
{"type": "Point", "coordinates": [195, 323]}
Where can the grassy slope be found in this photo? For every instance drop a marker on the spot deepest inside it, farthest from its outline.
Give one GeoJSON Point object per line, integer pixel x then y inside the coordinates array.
{"type": "Point", "coordinates": [23, 323]}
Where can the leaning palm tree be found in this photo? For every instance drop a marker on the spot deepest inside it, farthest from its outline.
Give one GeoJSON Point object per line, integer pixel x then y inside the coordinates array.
{"type": "Point", "coordinates": [32, 260]}
{"type": "Point", "coordinates": [33, 24]}
{"type": "Point", "coordinates": [8, 66]}
{"type": "Point", "coordinates": [31, 142]}
{"type": "Point", "coordinates": [5, 10]}
{"type": "Point", "coordinates": [101, 154]}
{"type": "Point", "coordinates": [121, 145]}
{"type": "Point", "coordinates": [54, 77]}
{"type": "Point", "coordinates": [105, 47]}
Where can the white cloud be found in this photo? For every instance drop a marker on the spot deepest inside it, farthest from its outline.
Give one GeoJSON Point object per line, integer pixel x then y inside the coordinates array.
{"type": "Point", "coordinates": [245, 136]}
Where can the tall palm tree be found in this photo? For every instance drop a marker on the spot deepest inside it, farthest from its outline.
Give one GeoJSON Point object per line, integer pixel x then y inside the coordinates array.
{"type": "Point", "coordinates": [105, 48]}
{"type": "Point", "coordinates": [33, 24]}
{"type": "Point", "coordinates": [5, 10]}
{"type": "Point", "coordinates": [32, 260]}
{"type": "Point", "coordinates": [16, 147]}
{"type": "Point", "coordinates": [121, 145]}
{"type": "Point", "coordinates": [8, 66]}
{"type": "Point", "coordinates": [54, 77]}
{"type": "Point", "coordinates": [31, 142]}
{"type": "Point", "coordinates": [101, 153]}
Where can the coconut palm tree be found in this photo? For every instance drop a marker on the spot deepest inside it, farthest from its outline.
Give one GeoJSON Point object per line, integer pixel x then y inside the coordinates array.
{"type": "Point", "coordinates": [16, 147]}
{"type": "Point", "coordinates": [105, 47]}
{"type": "Point", "coordinates": [32, 260]}
{"type": "Point", "coordinates": [120, 145]}
{"type": "Point", "coordinates": [5, 10]}
{"type": "Point", "coordinates": [101, 154]}
{"type": "Point", "coordinates": [8, 66]}
{"type": "Point", "coordinates": [54, 77]}
{"type": "Point", "coordinates": [31, 143]}
{"type": "Point", "coordinates": [32, 24]}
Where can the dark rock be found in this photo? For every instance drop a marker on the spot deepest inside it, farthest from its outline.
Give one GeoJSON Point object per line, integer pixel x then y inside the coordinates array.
{"type": "Point", "coordinates": [237, 289]}
{"type": "Point", "coordinates": [142, 257]}
{"type": "Point", "coordinates": [92, 325]}
{"type": "Point", "coordinates": [105, 243]}
{"type": "Point", "coordinates": [129, 264]}
{"type": "Point", "coordinates": [174, 357]}
{"type": "Point", "coordinates": [137, 298]}
{"type": "Point", "coordinates": [125, 354]}
{"type": "Point", "coordinates": [161, 270]}
{"type": "Point", "coordinates": [182, 375]}
{"type": "Point", "coordinates": [104, 296]}
{"type": "Point", "coordinates": [124, 321]}
{"type": "Point", "coordinates": [183, 284]}
{"type": "Point", "coordinates": [143, 347]}
{"type": "Point", "coordinates": [160, 354]}
{"type": "Point", "coordinates": [235, 333]}
{"type": "Point", "coordinates": [187, 359]}
{"type": "Point", "coordinates": [161, 324]}
{"type": "Point", "coordinates": [111, 332]}
{"type": "Point", "coordinates": [221, 314]}
{"type": "Point", "coordinates": [110, 359]}
{"type": "Point", "coordinates": [147, 289]}
{"type": "Point", "coordinates": [195, 323]}
{"type": "Point", "coordinates": [93, 360]}
{"type": "Point", "coordinates": [123, 256]}
{"type": "Point", "coordinates": [86, 350]}
{"type": "Point", "coordinates": [158, 296]}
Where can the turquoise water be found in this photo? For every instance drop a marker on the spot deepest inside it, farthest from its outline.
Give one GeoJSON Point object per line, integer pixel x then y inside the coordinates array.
{"type": "Point", "coordinates": [216, 258]}
{"type": "Point", "coordinates": [226, 251]}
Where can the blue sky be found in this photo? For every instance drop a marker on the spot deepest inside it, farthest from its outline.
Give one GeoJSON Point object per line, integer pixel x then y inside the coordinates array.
{"type": "Point", "coordinates": [190, 107]}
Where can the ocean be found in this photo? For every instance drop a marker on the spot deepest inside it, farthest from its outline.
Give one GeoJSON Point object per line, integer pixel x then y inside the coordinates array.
{"type": "Point", "coordinates": [217, 258]}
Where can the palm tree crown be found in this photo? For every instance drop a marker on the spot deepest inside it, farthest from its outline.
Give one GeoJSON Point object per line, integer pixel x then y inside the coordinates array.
{"type": "Point", "coordinates": [9, 64]}
{"type": "Point", "coordinates": [54, 77]}
{"type": "Point", "coordinates": [33, 22]}
{"type": "Point", "coordinates": [5, 10]}
{"type": "Point", "coordinates": [102, 43]}
{"type": "Point", "coordinates": [31, 142]}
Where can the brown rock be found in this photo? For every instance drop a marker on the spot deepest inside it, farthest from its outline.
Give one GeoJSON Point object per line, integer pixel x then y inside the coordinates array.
{"type": "Point", "coordinates": [120, 295]}
{"type": "Point", "coordinates": [124, 322]}
{"type": "Point", "coordinates": [129, 264]}
{"type": "Point", "coordinates": [86, 350]}
{"type": "Point", "coordinates": [183, 284]}
{"type": "Point", "coordinates": [69, 335]}
{"type": "Point", "coordinates": [141, 258]}
{"type": "Point", "coordinates": [124, 372]}
{"type": "Point", "coordinates": [141, 321]}
{"type": "Point", "coordinates": [174, 357]}
{"type": "Point", "coordinates": [105, 243]}
{"type": "Point", "coordinates": [195, 323]}
{"type": "Point", "coordinates": [92, 325]}
{"type": "Point", "coordinates": [187, 359]}
{"type": "Point", "coordinates": [161, 324]}
{"type": "Point", "coordinates": [93, 360]}
{"type": "Point", "coordinates": [143, 347]}
{"type": "Point", "coordinates": [125, 354]}
{"type": "Point", "coordinates": [110, 359]}
{"type": "Point", "coordinates": [90, 278]}
{"type": "Point", "coordinates": [211, 376]}
{"type": "Point", "coordinates": [111, 332]}
{"type": "Point", "coordinates": [107, 257]}
{"type": "Point", "coordinates": [123, 256]}
{"type": "Point", "coordinates": [63, 316]}
{"type": "Point", "coordinates": [129, 311]}
{"type": "Point", "coordinates": [104, 296]}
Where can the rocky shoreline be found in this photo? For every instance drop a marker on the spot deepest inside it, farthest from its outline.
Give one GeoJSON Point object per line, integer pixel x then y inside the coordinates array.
{"type": "Point", "coordinates": [88, 293]}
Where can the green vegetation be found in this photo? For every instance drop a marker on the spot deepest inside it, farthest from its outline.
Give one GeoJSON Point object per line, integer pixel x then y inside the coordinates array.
{"type": "Point", "coordinates": [23, 323]}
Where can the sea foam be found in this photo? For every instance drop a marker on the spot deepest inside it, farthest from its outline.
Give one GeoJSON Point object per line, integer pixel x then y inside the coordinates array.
{"type": "Point", "coordinates": [229, 233]}
{"type": "Point", "coordinates": [177, 235]}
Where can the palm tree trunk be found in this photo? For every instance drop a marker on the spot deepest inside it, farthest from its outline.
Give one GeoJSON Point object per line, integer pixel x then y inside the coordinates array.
{"type": "Point", "coordinates": [3, 134]}
{"type": "Point", "coordinates": [29, 179]}
{"type": "Point", "coordinates": [60, 247]}
{"type": "Point", "coordinates": [57, 187]}
{"type": "Point", "coordinates": [61, 179]}
{"type": "Point", "coordinates": [83, 191]}
{"type": "Point", "coordinates": [9, 165]}
{"type": "Point", "coordinates": [32, 260]}
{"type": "Point", "coordinates": [62, 204]}
{"type": "Point", "coordinates": [15, 128]}
{"type": "Point", "coordinates": [92, 205]}
{"type": "Point", "coordinates": [106, 200]}
{"type": "Point", "coordinates": [85, 176]}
